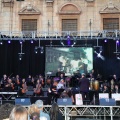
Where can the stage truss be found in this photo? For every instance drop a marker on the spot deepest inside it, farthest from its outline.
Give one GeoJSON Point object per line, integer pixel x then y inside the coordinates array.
{"type": "Point", "coordinates": [88, 111]}
{"type": "Point", "coordinates": [56, 35]}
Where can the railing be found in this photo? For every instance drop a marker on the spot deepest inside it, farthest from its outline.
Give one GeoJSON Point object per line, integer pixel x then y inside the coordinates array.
{"type": "Point", "coordinates": [95, 112]}
{"type": "Point", "coordinates": [57, 35]}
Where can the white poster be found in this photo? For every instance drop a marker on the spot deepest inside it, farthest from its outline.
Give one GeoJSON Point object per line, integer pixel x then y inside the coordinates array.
{"type": "Point", "coordinates": [79, 100]}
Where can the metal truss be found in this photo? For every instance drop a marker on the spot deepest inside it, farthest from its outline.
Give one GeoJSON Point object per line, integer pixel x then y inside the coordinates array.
{"type": "Point", "coordinates": [95, 112]}
{"type": "Point", "coordinates": [74, 35]}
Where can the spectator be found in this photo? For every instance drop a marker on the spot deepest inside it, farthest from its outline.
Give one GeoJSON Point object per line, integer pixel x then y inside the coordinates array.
{"type": "Point", "coordinates": [55, 113]}
{"type": "Point", "coordinates": [33, 112]}
{"type": "Point", "coordinates": [39, 104]}
{"type": "Point", "coordinates": [19, 113]}
{"type": "Point", "coordinates": [5, 110]}
{"type": "Point", "coordinates": [35, 116]}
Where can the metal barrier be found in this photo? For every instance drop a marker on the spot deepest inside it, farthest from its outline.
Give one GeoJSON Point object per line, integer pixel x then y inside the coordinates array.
{"type": "Point", "coordinates": [94, 112]}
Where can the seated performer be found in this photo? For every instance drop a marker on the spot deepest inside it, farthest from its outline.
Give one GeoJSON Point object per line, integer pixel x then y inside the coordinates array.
{"type": "Point", "coordinates": [116, 89]}
{"type": "Point", "coordinates": [37, 89]}
{"type": "Point", "coordinates": [105, 89]}
{"type": "Point", "coordinates": [53, 92]}
{"type": "Point", "coordinates": [9, 86]}
{"type": "Point", "coordinates": [23, 87]}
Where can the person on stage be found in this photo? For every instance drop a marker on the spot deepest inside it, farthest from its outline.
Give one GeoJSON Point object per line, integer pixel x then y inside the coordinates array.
{"type": "Point", "coordinates": [84, 87]}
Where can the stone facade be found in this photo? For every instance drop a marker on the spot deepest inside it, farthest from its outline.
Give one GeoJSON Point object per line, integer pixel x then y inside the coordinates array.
{"type": "Point", "coordinates": [13, 11]}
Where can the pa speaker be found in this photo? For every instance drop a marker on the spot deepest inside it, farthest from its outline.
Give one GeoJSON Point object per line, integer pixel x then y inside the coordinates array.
{"type": "Point", "coordinates": [22, 101]}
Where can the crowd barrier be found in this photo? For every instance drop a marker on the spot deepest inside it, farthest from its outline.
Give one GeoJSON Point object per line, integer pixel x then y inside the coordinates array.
{"type": "Point", "coordinates": [87, 111]}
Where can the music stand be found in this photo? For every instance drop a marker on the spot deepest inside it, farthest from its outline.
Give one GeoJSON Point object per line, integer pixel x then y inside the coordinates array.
{"type": "Point", "coordinates": [29, 93]}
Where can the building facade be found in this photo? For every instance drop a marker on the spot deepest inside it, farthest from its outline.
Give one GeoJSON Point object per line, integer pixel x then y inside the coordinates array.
{"type": "Point", "coordinates": [59, 15]}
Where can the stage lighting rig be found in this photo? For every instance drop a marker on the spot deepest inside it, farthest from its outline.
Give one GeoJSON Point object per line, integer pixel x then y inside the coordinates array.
{"type": "Point", "coordinates": [21, 53]}
{"type": "Point", "coordinates": [40, 48]}
{"type": "Point", "coordinates": [117, 49]}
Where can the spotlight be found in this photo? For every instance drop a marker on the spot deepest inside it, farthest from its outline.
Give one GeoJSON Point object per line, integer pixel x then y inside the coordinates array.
{"type": "Point", "coordinates": [118, 56]}
{"type": "Point", "coordinates": [20, 57]}
{"type": "Point", "coordinates": [99, 55]}
{"type": "Point", "coordinates": [31, 42]}
{"type": "Point", "coordinates": [21, 41]}
{"type": "Point", "coordinates": [117, 42]}
{"type": "Point", "coordinates": [68, 40]}
{"type": "Point", "coordinates": [36, 50]}
{"type": "Point", "coordinates": [41, 50]}
{"type": "Point", "coordinates": [100, 49]}
{"type": "Point", "coordinates": [1, 42]}
{"type": "Point", "coordinates": [9, 41]}
{"type": "Point", "coordinates": [73, 43]}
{"type": "Point", "coordinates": [62, 43]}
{"type": "Point", "coordinates": [105, 40]}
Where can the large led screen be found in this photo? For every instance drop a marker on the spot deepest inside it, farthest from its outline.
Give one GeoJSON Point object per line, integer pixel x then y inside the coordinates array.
{"type": "Point", "coordinates": [69, 60]}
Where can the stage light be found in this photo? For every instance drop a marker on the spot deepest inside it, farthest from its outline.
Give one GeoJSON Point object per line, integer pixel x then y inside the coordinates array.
{"type": "Point", "coordinates": [100, 49]}
{"type": "Point", "coordinates": [36, 50]}
{"type": "Point", "coordinates": [99, 55]}
{"type": "Point", "coordinates": [21, 41]}
{"type": "Point", "coordinates": [117, 42]}
{"type": "Point", "coordinates": [20, 57]}
{"type": "Point", "coordinates": [62, 43]}
{"type": "Point", "coordinates": [68, 40]}
{"type": "Point", "coordinates": [9, 41]}
{"type": "Point", "coordinates": [1, 42]}
{"type": "Point", "coordinates": [105, 40]}
{"type": "Point", "coordinates": [118, 56]}
{"type": "Point", "coordinates": [31, 42]}
{"type": "Point", "coordinates": [41, 50]}
{"type": "Point", "coordinates": [73, 43]}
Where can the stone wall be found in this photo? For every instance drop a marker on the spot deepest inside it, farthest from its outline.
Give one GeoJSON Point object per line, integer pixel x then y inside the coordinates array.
{"type": "Point", "coordinates": [12, 12]}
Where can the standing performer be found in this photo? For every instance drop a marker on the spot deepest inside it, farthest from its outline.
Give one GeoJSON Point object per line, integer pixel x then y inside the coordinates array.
{"type": "Point", "coordinates": [84, 87]}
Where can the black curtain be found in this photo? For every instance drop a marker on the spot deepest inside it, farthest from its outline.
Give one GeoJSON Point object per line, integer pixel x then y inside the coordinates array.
{"type": "Point", "coordinates": [34, 64]}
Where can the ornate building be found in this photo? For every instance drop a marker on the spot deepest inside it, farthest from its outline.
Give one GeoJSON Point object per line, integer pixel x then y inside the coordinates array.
{"type": "Point", "coordinates": [59, 15]}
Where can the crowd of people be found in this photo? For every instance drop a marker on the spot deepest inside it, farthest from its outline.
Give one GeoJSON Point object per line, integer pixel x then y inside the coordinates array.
{"type": "Point", "coordinates": [61, 86]}
{"type": "Point", "coordinates": [33, 112]}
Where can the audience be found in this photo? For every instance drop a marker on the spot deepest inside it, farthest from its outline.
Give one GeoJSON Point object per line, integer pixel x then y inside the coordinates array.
{"type": "Point", "coordinates": [43, 116]}
{"type": "Point", "coordinates": [5, 110]}
{"type": "Point", "coordinates": [55, 113]}
{"type": "Point", "coordinates": [34, 112]}
{"type": "Point", "coordinates": [19, 113]}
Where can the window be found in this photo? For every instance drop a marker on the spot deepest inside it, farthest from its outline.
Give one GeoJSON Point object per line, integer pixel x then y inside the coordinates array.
{"type": "Point", "coordinates": [110, 23]}
{"type": "Point", "coordinates": [69, 25]}
{"type": "Point", "coordinates": [29, 25]}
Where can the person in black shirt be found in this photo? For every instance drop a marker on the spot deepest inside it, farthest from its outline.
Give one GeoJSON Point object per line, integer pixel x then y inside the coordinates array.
{"type": "Point", "coordinates": [55, 114]}
{"type": "Point", "coordinates": [84, 87]}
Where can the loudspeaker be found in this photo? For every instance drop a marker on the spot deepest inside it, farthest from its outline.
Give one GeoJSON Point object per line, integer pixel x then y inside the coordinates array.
{"type": "Point", "coordinates": [22, 101]}
{"type": "Point", "coordinates": [64, 101]}
{"type": "Point", "coordinates": [44, 99]}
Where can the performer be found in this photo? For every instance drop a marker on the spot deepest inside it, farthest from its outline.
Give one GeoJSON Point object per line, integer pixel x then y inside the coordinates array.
{"type": "Point", "coordinates": [23, 87]}
{"type": "Point", "coordinates": [105, 89]}
{"type": "Point", "coordinates": [9, 87]}
{"type": "Point", "coordinates": [84, 87]}
{"type": "Point", "coordinates": [37, 89]}
{"type": "Point", "coordinates": [58, 73]}
{"type": "Point", "coordinates": [29, 79]}
{"type": "Point", "coordinates": [41, 80]}
{"type": "Point", "coordinates": [52, 91]}
{"type": "Point", "coordinates": [116, 90]}
{"type": "Point", "coordinates": [3, 81]}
